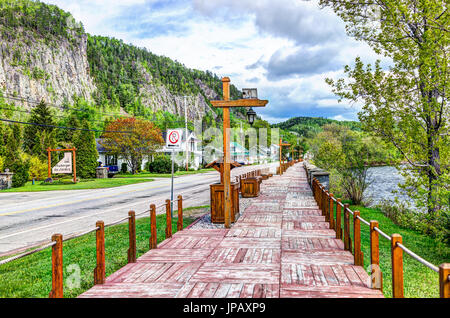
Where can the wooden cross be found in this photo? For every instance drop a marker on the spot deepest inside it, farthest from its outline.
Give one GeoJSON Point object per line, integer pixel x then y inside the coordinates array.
{"type": "Point", "coordinates": [225, 104]}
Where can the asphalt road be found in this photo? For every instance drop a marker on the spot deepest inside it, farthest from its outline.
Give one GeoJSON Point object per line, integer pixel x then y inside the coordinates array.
{"type": "Point", "coordinates": [30, 218]}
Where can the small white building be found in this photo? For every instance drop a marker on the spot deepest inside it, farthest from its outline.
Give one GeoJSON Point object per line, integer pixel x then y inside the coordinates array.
{"type": "Point", "coordinates": [193, 143]}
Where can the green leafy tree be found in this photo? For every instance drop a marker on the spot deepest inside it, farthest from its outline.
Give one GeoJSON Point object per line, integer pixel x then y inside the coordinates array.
{"type": "Point", "coordinates": [406, 105]}
{"type": "Point", "coordinates": [40, 115]}
{"type": "Point", "coordinates": [87, 155]}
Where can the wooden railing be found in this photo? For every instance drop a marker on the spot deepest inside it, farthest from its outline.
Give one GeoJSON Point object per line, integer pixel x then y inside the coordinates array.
{"type": "Point", "coordinates": [326, 201]}
{"type": "Point", "coordinates": [99, 272]}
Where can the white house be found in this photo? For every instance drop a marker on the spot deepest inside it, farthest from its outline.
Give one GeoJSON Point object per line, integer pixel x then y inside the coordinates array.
{"type": "Point", "coordinates": [195, 154]}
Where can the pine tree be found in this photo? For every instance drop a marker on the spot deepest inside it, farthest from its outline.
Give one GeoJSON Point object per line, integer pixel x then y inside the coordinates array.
{"type": "Point", "coordinates": [87, 155]}
{"type": "Point", "coordinates": [40, 115]}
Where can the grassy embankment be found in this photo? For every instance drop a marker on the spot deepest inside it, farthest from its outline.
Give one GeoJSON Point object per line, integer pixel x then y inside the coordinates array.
{"type": "Point", "coordinates": [117, 181]}
{"type": "Point", "coordinates": [31, 277]}
{"type": "Point", "coordinates": [419, 280]}
{"type": "Point", "coordinates": [81, 185]}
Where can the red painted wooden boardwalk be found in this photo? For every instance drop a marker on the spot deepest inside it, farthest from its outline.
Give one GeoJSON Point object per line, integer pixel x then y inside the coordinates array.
{"type": "Point", "coordinates": [280, 247]}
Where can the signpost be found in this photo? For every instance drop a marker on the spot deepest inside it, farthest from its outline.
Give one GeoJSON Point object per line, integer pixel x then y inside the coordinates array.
{"type": "Point", "coordinates": [65, 165]}
{"type": "Point", "coordinates": [173, 142]}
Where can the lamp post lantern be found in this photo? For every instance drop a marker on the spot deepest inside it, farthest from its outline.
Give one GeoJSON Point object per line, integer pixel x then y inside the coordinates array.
{"type": "Point", "coordinates": [225, 104]}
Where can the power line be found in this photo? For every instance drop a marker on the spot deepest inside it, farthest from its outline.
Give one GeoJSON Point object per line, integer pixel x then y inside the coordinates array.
{"type": "Point", "coordinates": [24, 99]}
{"type": "Point", "coordinates": [62, 127]}
{"type": "Point", "coordinates": [63, 117]}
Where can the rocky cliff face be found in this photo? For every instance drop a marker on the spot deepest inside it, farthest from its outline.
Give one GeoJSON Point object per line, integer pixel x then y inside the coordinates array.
{"type": "Point", "coordinates": [53, 72]}
{"type": "Point", "coordinates": [57, 72]}
{"type": "Point", "coordinates": [158, 97]}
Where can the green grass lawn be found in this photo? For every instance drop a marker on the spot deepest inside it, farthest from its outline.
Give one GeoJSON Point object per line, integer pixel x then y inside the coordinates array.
{"type": "Point", "coordinates": [31, 277]}
{"type": "Point", "coordinates": [82, 185]}
{"type": "Point", "coordinates": [419, 280]}
{"type": "Point", "coordinates": [159, 175]}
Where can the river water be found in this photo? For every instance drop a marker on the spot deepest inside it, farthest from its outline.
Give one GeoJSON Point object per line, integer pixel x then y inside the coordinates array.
{"type": "Point", "coordinates": [384, 180]}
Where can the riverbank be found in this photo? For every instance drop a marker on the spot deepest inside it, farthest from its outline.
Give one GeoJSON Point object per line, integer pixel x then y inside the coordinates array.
{"type": "Point", "coordinates": [419, 280]}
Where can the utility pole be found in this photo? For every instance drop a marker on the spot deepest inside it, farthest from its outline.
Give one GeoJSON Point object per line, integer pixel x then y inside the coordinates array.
{"type": "Point", "coordinates": [186, 129]}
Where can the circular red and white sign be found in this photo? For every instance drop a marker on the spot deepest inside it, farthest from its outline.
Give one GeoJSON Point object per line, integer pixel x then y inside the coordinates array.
{"type": "Point", "coordinates": [174, 136]}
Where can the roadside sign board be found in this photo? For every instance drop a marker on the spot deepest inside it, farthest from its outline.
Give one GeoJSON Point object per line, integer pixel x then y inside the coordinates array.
{"type": "Point", "coordinates": [65, 165]}
{"type": "Point", "coordinates": [173, 138]}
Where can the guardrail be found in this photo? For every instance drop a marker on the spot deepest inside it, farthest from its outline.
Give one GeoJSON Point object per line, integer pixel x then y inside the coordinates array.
{"type": "Point", "coordinates": [326, 201]}
{"type": "Point", "coordinates": [57, 241]}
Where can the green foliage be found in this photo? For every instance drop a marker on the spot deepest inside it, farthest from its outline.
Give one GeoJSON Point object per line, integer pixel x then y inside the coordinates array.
{"type": "Point", "coordinates": [87, 155]}
{"type": "Point", "coordinates": [48, 22]}
{"type": "Point", "coordinates": [124, 167]}
{"type": "Point", "coordinates": [21, 173]}
{"type": "Point", "coordinates": [162, 164]}
{"type": "Point", "coordinates": [38, 168]}
{"type": "Point", "coordinates": [407, 104]}
{"type": "Point", "coordinates": [310, 126]}
{"type": "Point", "coordinates": [2, 163]}
{"type": "Point", "coordinates": [347, 155]}
{"type": "Point", "coordinates": [35, 135]}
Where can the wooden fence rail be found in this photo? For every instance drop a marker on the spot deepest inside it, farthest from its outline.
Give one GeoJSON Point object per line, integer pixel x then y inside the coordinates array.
{"type": "Point", "coordinates": [325, 201]}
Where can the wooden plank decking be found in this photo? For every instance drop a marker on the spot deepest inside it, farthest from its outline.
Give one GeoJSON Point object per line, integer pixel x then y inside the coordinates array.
{"type": "Point", "coordinates": [280, 247]}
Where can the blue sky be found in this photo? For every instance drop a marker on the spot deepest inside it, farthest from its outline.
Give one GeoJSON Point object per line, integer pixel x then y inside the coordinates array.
{"type": "Point", "coordinates": [285, 48]}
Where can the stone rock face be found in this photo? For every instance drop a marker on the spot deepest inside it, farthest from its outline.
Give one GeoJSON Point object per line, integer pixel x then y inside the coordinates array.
{"type": "Point", "coordinates": [58, 71]}
{"type": "Point", "coordinates": [160, 98]}
{"type": "Point", "coordinates": [53, 72]}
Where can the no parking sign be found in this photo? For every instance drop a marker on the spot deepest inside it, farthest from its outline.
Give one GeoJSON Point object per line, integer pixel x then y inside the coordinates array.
{"type": "Point", "coordinates": [173, 139]}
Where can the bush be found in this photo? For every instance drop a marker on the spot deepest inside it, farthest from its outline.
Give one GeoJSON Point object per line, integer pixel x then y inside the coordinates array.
{"type": "Point", "coordinates": [162, 164]}
{"type": "Point", "coordinates": [419, 221]}
{"type": "Point", "coordinates": [38, 169]}
{"type": "Point", "coordinates": [124, 167]}
{"type": "Point", "coordinates": [2, 163]}
{"type": "Point", "coordinates": [21, 173]}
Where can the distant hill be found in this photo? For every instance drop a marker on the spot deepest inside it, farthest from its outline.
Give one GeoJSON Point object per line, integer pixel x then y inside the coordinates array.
{"type": "Point", "coordinates": [306, 126]}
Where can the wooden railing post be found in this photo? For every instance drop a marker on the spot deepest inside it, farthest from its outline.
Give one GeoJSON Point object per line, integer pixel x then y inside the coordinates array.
{"type": "Point", "coordinates": [99, 271]}
{"type": "Point", "coordinates": [376, 275]}
{"type": "Point", "coordinates": [331, 212]}
{"type": "Point", "coordinates": [57, 267]}
{"type": "Point", "coordinates": [397, 266]}
{"type": "Point", "coordinates": [153, 235]}
{"type": "Point", "coordinates": [338, 220]}
{"type": "Point", "coordinates": [347, 239]}
{"type": "Point", "coordinates": [326, 206]}
{"type": "Point", "coordinates": [358, 254]}
{"type": "Point", "coordinates": [444, 283]}
{"type": "Point", "coordinates": [180, 214]}
{"type": "Point", "coordinates": [132, 237]}
{"type": "Point", "coordinates": [168, 220]}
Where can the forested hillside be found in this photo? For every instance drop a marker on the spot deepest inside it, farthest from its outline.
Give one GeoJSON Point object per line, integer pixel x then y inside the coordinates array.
{"type": "Point", "coordinates": [309, 126]}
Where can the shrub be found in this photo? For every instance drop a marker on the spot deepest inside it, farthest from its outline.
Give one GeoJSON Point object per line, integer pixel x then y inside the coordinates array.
{"type": "Point", "coordinates": [38, 169]}
{"type": "Point", "coordinates": [2, 163]}
{"type": "Point", "coordinates": [21, 173]}
{"type": "Point", "coordinates": [419, 221]}
{"type": "Point", "coordinates": [162, 164]}
{"type": "Point", "coordinates": [124, 167]}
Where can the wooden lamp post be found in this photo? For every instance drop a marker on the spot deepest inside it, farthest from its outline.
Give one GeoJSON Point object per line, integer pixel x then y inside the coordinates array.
{"type": "Point", "coordinates": [225, 104]}
{"type": "Point", "coordinates": [281, 154]}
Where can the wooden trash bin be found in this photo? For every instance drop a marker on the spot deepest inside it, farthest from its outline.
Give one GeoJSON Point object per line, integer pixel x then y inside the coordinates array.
{"type": "Point", "coordinates": [217, 202]}
{"type": "Point", "coordinates": [251, 187]}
